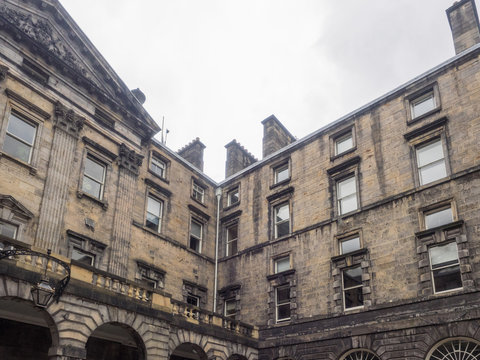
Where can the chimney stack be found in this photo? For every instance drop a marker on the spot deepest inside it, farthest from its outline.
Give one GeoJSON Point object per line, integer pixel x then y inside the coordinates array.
{"type": "Point", "coordinates": [463, 19]}
{"type": "Point", "coordinates": [193, 153]}
{"type": "Point", "coordinates": [238, 158]}
{"type": "Point", "coordinates": [275, 136]}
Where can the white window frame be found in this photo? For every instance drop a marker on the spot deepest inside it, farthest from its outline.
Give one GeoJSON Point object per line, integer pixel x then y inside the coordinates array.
{"type": "Point", "coordinates": [342, 138]}
{"type": "Point", "coordinates": [341, 199]}
{"type": "Point", "coordinates": [438, 161]}
{"type": "Point", "coordinates": [157, 162]}
{"type": "Point", "coordinates": [438, 210]}
{"type": "Point", "coordinates": [277, 224]}
{"type": "Point", "coordinates": [235, 190]}
{"type": "Point", "coordinates": [344, 289]}
{"type": "Point", "coordinates": [229, 241]}
{"type": "Point", "coordinates": [31, 146]}
{"type": "Point", "coordinates": [84, 253]}
{"type": "Point", "coordinates": [277, 304]}
{"type": "Point", "coordinates": [444, 267]}
{"type": "Point", "coordinates": [281, 259]}
{"type": "Point", "coordinates": [421, 99]}
{"type": "Point", "coordinates": [225, 305]}
{"type": "Point", "coordinates": [198, 192]}
{"type": "Point", "coordinates": [199, 239]}
{"type": "Point", "coordinates": [158, 216]}
{"type": "Point", "coordinates": [278, 170]}
{"type": "Point", "coordinates": [7, 224]}
{"type": "Point", "coordinates": [102, 182]}
{"type": "Point", "coordinates": [349, 238]}
{"type": "Point", "coordinates": [197, 298]}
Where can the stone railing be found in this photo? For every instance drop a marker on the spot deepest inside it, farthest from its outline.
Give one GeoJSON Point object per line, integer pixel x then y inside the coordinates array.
{"type": "Point", "coordinates": [121, 286]}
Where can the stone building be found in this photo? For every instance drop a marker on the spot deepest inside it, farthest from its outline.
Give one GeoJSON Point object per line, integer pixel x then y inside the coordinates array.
{"type": "Point", "coordinates": [359, 241]}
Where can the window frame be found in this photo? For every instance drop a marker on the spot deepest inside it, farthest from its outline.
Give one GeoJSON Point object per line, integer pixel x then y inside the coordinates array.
{"type": "Point", "coordinates": [154, 197]}
{"type": "Point", "coordinates": [344, 289]}
{"type": "Point", "coordinates": [435, 208]}
{"type": "Point", "coordinates": [102, 164]}
{"type": "Point", "coordinates": [14, 114]}
{"type": "Point", "coordinates": [346, 238]}
{"type": "Point", "coordinates": [277, 305]}
{"type": "Point", "coordinates": [8, 223]}
{"type": "Point", "coordinates": [233, 190]}
{"type": "Point", "coordinates": [84, 253]}
{"type": "Point", "coordinates": [278, 259]}
{"type": "Point", "coordinates": [198, 189]}
{"type": "Point", "coordinates": [154, 163]}
{"type": "Point", "coordinates": [192, 296]}
{"type": "Point", "coordinates": [279, 169]}
{"type": "Point", "coordinates": [276, 224]}
{"type": "Point", "coordinates": [432, 270]}
{"type": "Point", "coordinates": [200, 240]}
{"type": "Point", "coordinates": [422, 145]}
{"type": "Point", "coordinates": [88, 246]}
{"type": "Point", "coordinates": [338, 181]}
{"type": "Point", "coordinates": [228, 241]}
{"type": "Point", "coordinates": [225, 303]}
{"type": "Point", "coordinates": [419, 96]}
{"type": "Point", "coordinates": [345, 132]}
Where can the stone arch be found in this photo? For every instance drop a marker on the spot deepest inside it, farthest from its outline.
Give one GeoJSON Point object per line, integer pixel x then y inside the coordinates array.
{"type": "Point", "coordinates": [114, 339]}
{"type": "Point", "coordinates": [188, 350]}
{"type": "Point", "coordinates": [237, 351]}
{"type": "Point", "coordinates": [31, 330]}
{"type": "Point", "coordinates": [359, 354]}
{"type": "Point", "coordinates": [464, 348]}
{"type": "Point", "coordinates": [186, 336]}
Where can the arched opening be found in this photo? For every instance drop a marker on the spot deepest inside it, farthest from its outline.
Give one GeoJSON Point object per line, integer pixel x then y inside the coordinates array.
{"type": "Point", "coordinates": [455, 349]}
{"type": "Point", "coordinates": [188, 351]}
{"type": "Point", "coordinates": [237, 357]}
{"type": "Point", "coordinates": [26, 332]}
{"type": "Point", "coordinates": [359, 354]}
{"type": "Point", "coordinates": [115, 341]}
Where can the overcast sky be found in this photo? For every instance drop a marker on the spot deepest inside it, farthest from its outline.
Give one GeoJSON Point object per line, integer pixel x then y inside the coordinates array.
{"type": "Point", "coordinates": [216, 69]}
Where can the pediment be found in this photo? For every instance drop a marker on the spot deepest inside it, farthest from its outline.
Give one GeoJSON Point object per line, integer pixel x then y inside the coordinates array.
{"type": "Point", "coordinates": [50, 33]}
{"type": "Point", "coordinates": [9, 202]}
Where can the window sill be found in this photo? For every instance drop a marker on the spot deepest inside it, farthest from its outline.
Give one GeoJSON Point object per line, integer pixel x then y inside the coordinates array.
{"type": "Point", "coordinates": [32, 169]}
{"type": "Point", "coordinates": [229, 207]}
{"type": "Point", "coordinates": [431, 231]}
{"type": "Point", "coordinates": [283, 182]}
{"type": "Point", "coordinates": [102, 203]}
{"type": "Point", "coordinates": [354, 309]}
{"type": "Point", "coordinates": [423, 116]}
{"type": "Point", "coordinates": [346, 152]}
{"type": "Point", "coordinates": [198, 201]}
{"type": "Point", "coordinates": [158, 176]}
{"type": "Point", "coordinates": [353, 253]}
{"type": "Point", "coordinates": [446, 292]}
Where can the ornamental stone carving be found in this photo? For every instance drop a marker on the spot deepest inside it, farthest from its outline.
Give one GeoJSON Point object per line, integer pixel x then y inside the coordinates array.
{"type": "Point", "coordinates": [3, 72]}
{"type": "Point", "coordinates": [129, 160]}
{"type": "Point", "coordinates": [67, 120]}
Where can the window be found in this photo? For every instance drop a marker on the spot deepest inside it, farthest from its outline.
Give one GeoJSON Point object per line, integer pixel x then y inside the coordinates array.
{"type": "Point", "coordinates": [282, 303]}
{"type": "Point", "coordinates": [359, 355]}
{"type": "Point", "coordinates": [445, 267]}
{"type": "Point", "coordinates": [282, 264]}
{"type": "Point", "coordinates": [438, 217]}
{"type": "Point", "coordinates": [431, 162]}
{"type": "Point", "coordinates": [347, 195]}
{"type": "Point", "coordinates": [232, 240]}
{"type": "Point", "coordinates": [20, 138]}
{"type": "Point", "coordinates": [196, 232]}
{"type": "Point", "coordinates": [352, 287]}
{"type": "Point", "coordinates": [230, 308]}
{"type": "Point", "coordinates": [83, 257]}
{"type": "Point", "coordinates": [193, 300]}
{"type": "Point", "coordinates": [233, 197]}
{"type": "Point", "coordinates": [456, 349]}
{"type": "Point", "coordinates": [93, 178]}
{"type": "Point", "coordinates": [154, 214]}
{"type": "Point", "coordinates": [343, 143]}
{"type": "Point", "coordinates": [423, 104]}
{"type": "Point", "coordinates": [281, 173]}
{"type": "Point", "coordinates": [8, 230]}
{"type": "Point", "coordinates": [282, 220]}
{"type": "Point", "coordinates": [158, 167]}
{"type": "Point", "coordinates": [350, 244]}
{"type": "Point", "coordinates": [150, 276]}
{"type": "Point", "coordinates": [198, 192]}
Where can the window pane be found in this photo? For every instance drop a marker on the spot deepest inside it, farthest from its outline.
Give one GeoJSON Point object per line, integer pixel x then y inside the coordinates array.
{"type": "Point", "coordinates": [282, 264]}
{"type": "Point", "coordinates": [347, 187]}
{"type": "Point", "coordinates": [232, 232]}
{"type": "Point", "coordinates": [158, 167]}
{"type": "Point", "coordinates": [348, 204]}
{"type": "Point", "coordinates": [281, 213]}
{"type": "Point", "coordinates": [438, 218]}
{"type": "Point", "coordinates": [283, 294]}
{"type": "Point", "coordinates": [194, 244]}
{"type": "Point", "coordinates": [152, 222]}
{"type": "Point", "coordinates": [352, 277]}
{"type": "Point", "coordinates": [154, 206]}
{"type": "Point", "coordinates": [230, 308]}
{"type": "Point", "coordinates": [17, 149]}
{"type": "Point", "coordinates": [444, 255]}
{"type": "Point", "coordinates": [281, 173]}
{"type": "Point", "coordinates": [21, 129]}
{"type": "Point", "coordinates": [94, 170]}
{"type": "Point", "coordinates": [283, 229]}
{"type": "Point", "coordinates": [433, 172]}
{"type": "Point", "coordinates": [232, 248]}
{"type": "Point", "coordinates": [193, 300]}
{"type": "Point", "coordinates": [91, 187]}
{"type": "Point", "coordinates": [233, 197]}
{"type": "Point", "coordinates": [82, 257]}
{"type": "Point", "coordinates": [349, 245]}
{"type": "Point", "coordinates": [423, 105]}
{"type": "Point", "coordinates": [8, 230]}
{"type": "Point", "coordinates": [353, 297]}
{"type": "Point", "coordinates": [283, 312]}
{"type": "Point", "coordinates": [430, 153]}
{"type": "Point", "coordinates": [196, 229]}
{"type": "Point", "coordinates": [447, 279]}
{"type": "Point", "coordinates": [343, 144]}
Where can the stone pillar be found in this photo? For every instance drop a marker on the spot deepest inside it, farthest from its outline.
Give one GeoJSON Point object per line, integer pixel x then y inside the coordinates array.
{"type": "Point", "coordinates": [129, 163]}
{"type": "Point", "coordinates": [463, 19]}
{"type": "Point", "coordinates": [275, 135]}
{"type": "Point", "coordinates": [66, 133]}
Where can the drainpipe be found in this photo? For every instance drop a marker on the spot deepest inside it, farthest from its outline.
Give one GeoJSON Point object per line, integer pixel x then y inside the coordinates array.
{"type": "Point", "coordinates": [218, 193]}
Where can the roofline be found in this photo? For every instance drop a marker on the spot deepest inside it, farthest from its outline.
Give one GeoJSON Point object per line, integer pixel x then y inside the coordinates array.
{"type": "Point", "coordinates": [361, 109]}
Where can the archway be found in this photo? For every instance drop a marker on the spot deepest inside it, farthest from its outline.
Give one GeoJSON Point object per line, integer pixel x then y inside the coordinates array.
{"type": "Point", "coordinates": [237, 357]}
{"type": "Point", "coordinates": [26, 332]}
{"type": "Point", "coordinates": [460, 348]}
{"type": "Point", "coordinates": [359, 354]}
{"type": "Point", "coordinates": [188, 351]}
{"type": "Point", "coordinates": [115, 341]}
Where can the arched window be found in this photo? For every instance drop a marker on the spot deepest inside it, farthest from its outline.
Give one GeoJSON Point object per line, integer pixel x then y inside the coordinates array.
{"type": "Point", "coordinates": [361, 354]}
{"type": "Point", "coordinates": [455, 349]}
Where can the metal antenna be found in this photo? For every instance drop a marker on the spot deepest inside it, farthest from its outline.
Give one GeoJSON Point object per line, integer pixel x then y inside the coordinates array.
{"type": "Point", "coordinates": [164, 132]}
